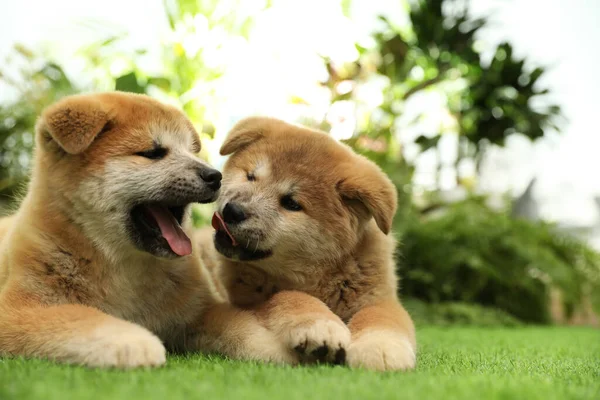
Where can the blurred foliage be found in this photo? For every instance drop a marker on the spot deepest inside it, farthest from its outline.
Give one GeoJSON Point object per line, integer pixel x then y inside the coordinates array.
{"type": "Point", "coordinates": [487, 102]}
{"type": "Point", "coordinates": [469, 254]}
{"type": "Point", "coordinates": [473, 254]}
{"type": "Point", "coordinates": [497, 99]}
{"type": "Point", "coordinates": [39, 84]}
{"type": "Point", "coordinates": [188, 76]}
{"type": "Point", "coordinates": [455, 313]}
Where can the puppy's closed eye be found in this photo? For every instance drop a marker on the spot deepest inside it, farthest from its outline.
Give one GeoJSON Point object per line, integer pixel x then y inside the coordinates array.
{"type": "Point", "coordinates": [290, 204]}
{"type": "Point", "coordinates": [156, 153]}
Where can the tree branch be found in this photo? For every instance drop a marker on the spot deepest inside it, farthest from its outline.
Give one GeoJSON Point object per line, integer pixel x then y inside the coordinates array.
{"type": "Point", "coordinates": [423, 85]}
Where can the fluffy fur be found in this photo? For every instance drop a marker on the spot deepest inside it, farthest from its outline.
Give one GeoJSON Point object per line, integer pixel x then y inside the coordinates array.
{"type": "Point", "coordinates": [75, 286]}
{"type": "Point", "coordinates": [326, 268]}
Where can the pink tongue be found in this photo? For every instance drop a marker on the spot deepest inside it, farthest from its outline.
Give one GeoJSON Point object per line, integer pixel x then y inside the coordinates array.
{"type": "Point", "coordinates": [171, 231]}
{"type": "Point", "coordinates": [219, 224]}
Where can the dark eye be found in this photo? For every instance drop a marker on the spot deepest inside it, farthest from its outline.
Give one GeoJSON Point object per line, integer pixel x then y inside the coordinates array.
{"type": "Point", "coordinates": [250, 176]}
{"type": "Point", "coordinates": [155, 154]}
{"type": "Point", "coordinates": [107, 127]}
{"type": "Point", "coordinates": [290, 204]}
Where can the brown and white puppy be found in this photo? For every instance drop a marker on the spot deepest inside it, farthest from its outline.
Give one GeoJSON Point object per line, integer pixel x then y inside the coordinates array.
{"type": "Point", "coordinates": [96, 266]}
{"type": "Point", "coordinates": [302, 217]}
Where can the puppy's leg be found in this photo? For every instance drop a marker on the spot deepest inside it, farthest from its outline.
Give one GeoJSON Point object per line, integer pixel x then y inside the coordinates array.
{"type": "Point", "coordinates": [77, 334]}
{"type": "Point", "coordinates": [306, 325]}
{"type": "Point", "coordinates": [383, 338]}
{"type": "Point", "coordinates": [239, 334]}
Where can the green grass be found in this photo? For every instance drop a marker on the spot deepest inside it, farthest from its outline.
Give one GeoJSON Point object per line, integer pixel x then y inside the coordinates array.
{"type": "Point", "coordinates": [454, 363]}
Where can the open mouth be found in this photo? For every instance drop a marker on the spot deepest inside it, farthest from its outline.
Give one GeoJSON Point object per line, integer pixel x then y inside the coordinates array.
{"type": "Point", "coordinates": [158, 229]}
{"type": "Point", "coordinates": [227, 245]}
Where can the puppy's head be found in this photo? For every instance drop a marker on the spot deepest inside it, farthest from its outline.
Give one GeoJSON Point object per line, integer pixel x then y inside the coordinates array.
{"type": "Point", "coordinates": [292, 193]}
{"type": "Point", "coordinates": [124, 167]}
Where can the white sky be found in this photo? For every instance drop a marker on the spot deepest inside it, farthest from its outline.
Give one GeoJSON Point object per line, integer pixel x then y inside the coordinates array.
{"type": "Point", "coordinates": [564, 35]}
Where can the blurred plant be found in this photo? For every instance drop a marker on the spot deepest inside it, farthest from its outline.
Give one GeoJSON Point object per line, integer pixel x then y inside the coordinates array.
{"type": "Point", "coordinates": [193, 57]}
{"type": "Point", "coordinates": [455, 313]}
{"type": "Point", "coordinates": [475, 255]}
{"type": "Point", "coordinates": [38, 84]}
{"type": "Point", "coordinates": [485, 103]}
{"type": "Point", "coordinates": [192, 60]}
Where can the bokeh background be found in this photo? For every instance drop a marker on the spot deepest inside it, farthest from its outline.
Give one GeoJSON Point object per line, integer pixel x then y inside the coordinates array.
{"type": "Point", "coordinates": [482, 112]}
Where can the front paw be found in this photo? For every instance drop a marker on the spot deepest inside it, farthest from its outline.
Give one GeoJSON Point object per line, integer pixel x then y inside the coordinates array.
{"type": "Point", "coordinates": [266, 347]}
{"type": "Point", "coordinates": [123, 345]}
{"type": "Point", "coordinates": [382, 351]}
{"type": "Point", "coordinates": [320, 340]}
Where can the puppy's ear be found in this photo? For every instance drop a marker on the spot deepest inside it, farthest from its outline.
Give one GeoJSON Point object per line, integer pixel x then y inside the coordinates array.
{"type": "Point", "coordinates": [245, 132]}
{"type": "Point", "coordinates": [370, 193]}
{"type": "Point", "coordinates": [74, 122]}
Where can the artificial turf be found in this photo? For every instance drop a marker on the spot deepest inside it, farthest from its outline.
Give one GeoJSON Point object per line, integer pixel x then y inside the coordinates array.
{"type": "Point", "coordinates": [454, 363]}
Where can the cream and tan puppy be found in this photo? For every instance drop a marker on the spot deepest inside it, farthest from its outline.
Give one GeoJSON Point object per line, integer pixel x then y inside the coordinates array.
{"type": "Point", "coordinates": [96, 266]}
{"type": "Point", "coordinates": [303, 229]}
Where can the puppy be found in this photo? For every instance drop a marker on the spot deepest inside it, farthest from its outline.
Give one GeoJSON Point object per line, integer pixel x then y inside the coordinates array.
{"type": "Point", "coordinates": [96, 267]}
{"type": "Point", "coordinates": [303, 229]}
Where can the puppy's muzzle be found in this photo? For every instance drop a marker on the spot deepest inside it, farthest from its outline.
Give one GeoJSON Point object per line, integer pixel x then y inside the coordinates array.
{"type": "Point", "coordinates": [211, 177]}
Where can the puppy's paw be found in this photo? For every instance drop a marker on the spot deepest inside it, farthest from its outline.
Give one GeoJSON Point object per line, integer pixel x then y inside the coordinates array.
{"type": "Point", "coordinates": [320, 340]}
{"type": "Point", "coordinates": [382, 351]}
{"type": "Point", "coordinates": [274, 352]}
{"type": "Point", "coordinates": [124, 346]}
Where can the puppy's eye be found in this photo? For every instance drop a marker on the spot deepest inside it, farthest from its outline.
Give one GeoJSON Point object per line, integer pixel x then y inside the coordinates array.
{"type": "Point", "coordinates": [155, 154]}
{"type": "Point", "coordinates": [250, 176]}
{"type": "Point", "coordinates": [290, 204]}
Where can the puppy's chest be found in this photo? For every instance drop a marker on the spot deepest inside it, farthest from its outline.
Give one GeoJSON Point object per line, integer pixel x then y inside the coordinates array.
{"type": "Point", "coordinates": [343, 291]}
{"type": "Point", "coordinates": [69, 278]}
{"type": "Point", "coordinates": [250, 286]}
{"type": "Point", "coordinates": [153, 298]}
{"type": "Point", "coordinates": [158, 300]}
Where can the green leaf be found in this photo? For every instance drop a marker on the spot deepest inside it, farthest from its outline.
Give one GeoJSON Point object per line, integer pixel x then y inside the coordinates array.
{"type": "Point", "coordinates": [161, 82]}
{"type": "Point", "coordinates": [110, 40]}
{"type": "Point", "coordinates": [129, 83]}
{"type": "Point", "coordinates": [346, 7]}
{"type": "Point", "coordinates": [24, 51]}
{"type": "Point", "coordinates": [427, 143]}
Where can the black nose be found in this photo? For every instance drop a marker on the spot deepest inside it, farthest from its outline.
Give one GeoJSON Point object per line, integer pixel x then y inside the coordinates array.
{"type": "Point", "coordinates": [212, 177]}
{"type": "Point", "coordinates": [233, 214]}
